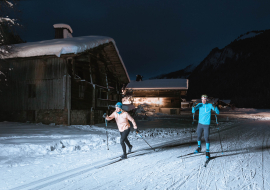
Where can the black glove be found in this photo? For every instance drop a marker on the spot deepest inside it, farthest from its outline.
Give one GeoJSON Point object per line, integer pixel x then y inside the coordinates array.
{"type": "Point", "coordinates": [137, 131]}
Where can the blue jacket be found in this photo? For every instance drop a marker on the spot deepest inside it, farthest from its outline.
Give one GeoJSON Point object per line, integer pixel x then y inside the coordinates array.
{"type": "Point", "coordinates": [205, 112]}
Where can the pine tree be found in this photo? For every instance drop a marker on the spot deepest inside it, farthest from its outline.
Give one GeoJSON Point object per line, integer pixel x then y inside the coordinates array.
{"type": "Point", "coordinates": [9, 26]}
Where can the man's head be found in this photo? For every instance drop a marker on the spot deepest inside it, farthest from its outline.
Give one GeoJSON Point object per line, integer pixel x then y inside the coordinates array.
{"type": "Point", "coordinates": [204, 98]}
{"type": "Point", "coordinates": [118, 106]}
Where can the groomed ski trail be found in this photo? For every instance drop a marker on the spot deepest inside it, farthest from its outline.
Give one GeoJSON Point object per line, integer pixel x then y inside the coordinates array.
{"type": "Point", "coordinates": [244, 164]}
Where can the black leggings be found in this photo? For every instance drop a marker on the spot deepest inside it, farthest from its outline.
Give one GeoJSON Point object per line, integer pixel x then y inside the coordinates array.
{"type": "Point", "coordinates": [123, 139]}
{"type": "Point", "coordinates": [206, 129]}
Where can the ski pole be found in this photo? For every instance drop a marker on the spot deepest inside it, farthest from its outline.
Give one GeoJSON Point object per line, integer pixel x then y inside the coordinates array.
{"type": "Point", "coordinates": [194, 104]}
{"type": "Point", "coordinates": [191, 131]}
{"type": "Point", "coordinates": [145, 140]}
{"type": "Point", "coordinates": [219, 135]}
{"type": "Point", "coordinates": [104, 115]}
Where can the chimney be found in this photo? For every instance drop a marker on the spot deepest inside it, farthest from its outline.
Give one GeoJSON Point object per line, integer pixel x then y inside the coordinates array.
{"type": "Point", "coordinates": [62, 31]}
{"type": "Point", "coordinates": [139, 77]}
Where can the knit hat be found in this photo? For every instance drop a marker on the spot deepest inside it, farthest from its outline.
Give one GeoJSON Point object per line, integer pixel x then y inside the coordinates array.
{"type": "Point", "coordinates": [119, 105]}
{"type": "Point", "coordinates": [204, 96]}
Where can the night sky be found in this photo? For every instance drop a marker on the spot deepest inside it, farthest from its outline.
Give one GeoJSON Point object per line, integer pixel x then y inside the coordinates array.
{"type": "Point", "coordinates": [153, 37]}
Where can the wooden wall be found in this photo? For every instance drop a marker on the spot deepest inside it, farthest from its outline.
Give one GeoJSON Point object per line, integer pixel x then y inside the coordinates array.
{"type": "Point", "coordinates": [48, 76]}
{"type": "Point", "coordinates": [90, 73]}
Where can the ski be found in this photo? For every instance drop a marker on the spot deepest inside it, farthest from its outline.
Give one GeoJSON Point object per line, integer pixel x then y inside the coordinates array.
{"type": "Point", "coordinates": [131, 153]}
{"type": "Point", "coordinates": [206, 162]}
{"type": "Point", "coordinates": [190, 154]}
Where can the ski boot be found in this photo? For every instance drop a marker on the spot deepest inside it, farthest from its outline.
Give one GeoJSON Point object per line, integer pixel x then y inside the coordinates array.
{"type": "Point", "coordinates": [130, 149]}
{"type": "Point", "coordinates": [124, 156]}
{"type": "Point", "coordinates": [207, 155]}
{"type": "Point", "coordinates": [198, 150]}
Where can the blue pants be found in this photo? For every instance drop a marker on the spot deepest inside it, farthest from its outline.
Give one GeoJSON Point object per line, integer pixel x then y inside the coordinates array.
{"type": "Point", "coordinates": [200, 129]}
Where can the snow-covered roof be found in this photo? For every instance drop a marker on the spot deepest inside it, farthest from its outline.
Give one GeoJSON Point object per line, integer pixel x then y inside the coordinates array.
{"type": "Point", "coordinates": [61, 46]}
{"type": "Point", "coordinates": [58, 46]}
{"type": "Point", "coordinates": [159, 84]}
{"type": "Point", "coordinates": [63, 26]}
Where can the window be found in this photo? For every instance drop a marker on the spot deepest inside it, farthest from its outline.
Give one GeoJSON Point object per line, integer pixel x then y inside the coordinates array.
{"type": "Point", "coordinates": [31, 90]}
{"type": "Point", "coordinates": [81, 91]}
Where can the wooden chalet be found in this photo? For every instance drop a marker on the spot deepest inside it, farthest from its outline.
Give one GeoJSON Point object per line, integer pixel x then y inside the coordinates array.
{"type": "Point", "coordinates": [67, 81]}
{"type": "Point", "coordinates": [162, 95]}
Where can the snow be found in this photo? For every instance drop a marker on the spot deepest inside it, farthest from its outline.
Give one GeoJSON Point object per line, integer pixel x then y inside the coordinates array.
{"type": "Point", "coordinates": [38, 156]}
{"type": "Point", "coordinates": [59, 46]}
{"type": "Point", "coordinates": [1, 73]}
{"type": "Point", "coordinates": [159, 84]}
{"type": "Point", "coordinates": [249, 35]}
{"type": "Point", "coordinates": [63, 26]}
{"type": "Point", "coordinates": [9, 3]}
{"type": "Point", "coordinates": [2, 19]}
{"type": "Point", "coordinates": [66, 34]}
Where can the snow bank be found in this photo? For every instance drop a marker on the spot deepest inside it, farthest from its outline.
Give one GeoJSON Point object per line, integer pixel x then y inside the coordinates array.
{"type": "Point", "coordinates": [55, 147]}
{"type": "Point", "coordinates": [34, 145]}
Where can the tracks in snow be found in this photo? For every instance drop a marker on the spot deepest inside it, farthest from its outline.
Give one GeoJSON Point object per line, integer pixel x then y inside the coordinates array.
{"type": "Point", "coordinates": [194, 176]}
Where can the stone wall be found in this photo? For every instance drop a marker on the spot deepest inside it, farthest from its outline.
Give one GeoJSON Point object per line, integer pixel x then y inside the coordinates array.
{"type": "Point", "coordinates": [80, 117]}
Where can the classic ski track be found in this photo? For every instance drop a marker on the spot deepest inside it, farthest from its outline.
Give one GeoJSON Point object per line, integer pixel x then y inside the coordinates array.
{"type": "Point", "coordinates": [57, 178]}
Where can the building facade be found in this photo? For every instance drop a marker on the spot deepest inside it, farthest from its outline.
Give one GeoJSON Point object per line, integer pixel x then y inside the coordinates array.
{"type": "Point", "coordinates": [62, 81]}
{"type": "Point", "coordinates": [161, 95]}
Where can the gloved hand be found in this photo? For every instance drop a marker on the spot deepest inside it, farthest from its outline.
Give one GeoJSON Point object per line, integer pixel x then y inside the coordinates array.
{"type": "Point", "coordinates": [137, 131]}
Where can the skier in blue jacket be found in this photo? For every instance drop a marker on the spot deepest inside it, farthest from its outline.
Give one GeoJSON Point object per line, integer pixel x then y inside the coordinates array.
{"type": "Point", "coordinates": [204, 123]}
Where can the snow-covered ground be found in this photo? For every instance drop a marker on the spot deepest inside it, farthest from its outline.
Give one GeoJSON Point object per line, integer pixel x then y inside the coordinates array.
{"type": "Point", "coordinates": [37, 156]}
